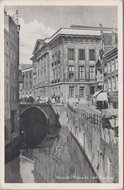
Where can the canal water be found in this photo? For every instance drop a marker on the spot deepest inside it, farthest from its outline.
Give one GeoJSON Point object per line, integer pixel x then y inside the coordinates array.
{"type": "Point", "coordinates": [60, 160]}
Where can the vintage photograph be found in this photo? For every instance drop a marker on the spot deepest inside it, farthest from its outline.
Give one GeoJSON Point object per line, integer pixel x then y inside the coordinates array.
{"type": "Point", "coordinates": [61, 94]}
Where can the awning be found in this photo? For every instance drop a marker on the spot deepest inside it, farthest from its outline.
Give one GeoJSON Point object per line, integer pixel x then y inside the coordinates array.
{"type": "Point", "coordinates": [96, 93]}
{"type": "Point", "coordinates": [109, 113]}
{"type": "Point", "coordinates": [102, 97]}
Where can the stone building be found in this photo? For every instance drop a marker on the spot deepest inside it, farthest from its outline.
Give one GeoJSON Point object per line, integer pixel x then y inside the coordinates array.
{"type": "Point", "coordinates": [11, 64]}
{"type": "Point", "coordinates": [64, 65]}
{"type": "Point", "coordinates": [107, 65]}
{"type": "Point", "coordinates": [27, 85]}
{"type": "Point", "coordinates": [111, 76]}
{"type": "Point", "coordinates": [108, 42]}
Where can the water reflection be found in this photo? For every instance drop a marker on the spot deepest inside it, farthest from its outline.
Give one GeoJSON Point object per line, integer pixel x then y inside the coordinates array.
{"type": "Point", "coordinates": [26, 169]}
{"type": "Point", "coordinates": [58, 162]}
{"type": "Point", "coordinates": [12, 171]}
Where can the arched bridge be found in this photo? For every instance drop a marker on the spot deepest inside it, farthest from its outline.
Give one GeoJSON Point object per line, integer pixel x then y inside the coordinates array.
{"type": "Point", "coordinates": [36, 122]}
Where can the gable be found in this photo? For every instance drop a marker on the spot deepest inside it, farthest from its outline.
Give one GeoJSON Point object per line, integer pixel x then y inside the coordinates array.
{"type": "Point", "coordinates": [39, 43]}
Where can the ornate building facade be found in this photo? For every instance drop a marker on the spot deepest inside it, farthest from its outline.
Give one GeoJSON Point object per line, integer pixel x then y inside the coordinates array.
{"type": "Point", "coordinates": [64, 65]}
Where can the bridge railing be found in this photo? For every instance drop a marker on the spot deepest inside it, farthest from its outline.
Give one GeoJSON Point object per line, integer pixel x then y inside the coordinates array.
{"type": "Point", "coordinates": [91, 119]}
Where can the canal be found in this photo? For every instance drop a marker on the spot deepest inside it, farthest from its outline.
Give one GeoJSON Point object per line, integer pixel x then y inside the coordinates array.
{"type": "Point", "coordinates": [59, 160]}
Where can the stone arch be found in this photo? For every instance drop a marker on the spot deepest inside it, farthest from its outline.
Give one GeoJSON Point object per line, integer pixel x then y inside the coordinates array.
{"type": "Point", "coordinates": [33, 125]}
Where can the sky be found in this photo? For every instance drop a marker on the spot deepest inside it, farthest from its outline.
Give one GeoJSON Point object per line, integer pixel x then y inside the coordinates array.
{"type": "Point", "coordinates": [39, 22]}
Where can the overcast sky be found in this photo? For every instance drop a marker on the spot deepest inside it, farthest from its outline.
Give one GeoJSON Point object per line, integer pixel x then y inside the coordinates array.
{"type": "Point", "coordinates": [39, 22]}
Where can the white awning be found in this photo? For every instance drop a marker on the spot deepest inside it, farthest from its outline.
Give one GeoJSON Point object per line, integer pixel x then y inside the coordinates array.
{"type": "Point", "coordinates": [102, 97]}
{"type": "Point", "coordinates": [96, 93]}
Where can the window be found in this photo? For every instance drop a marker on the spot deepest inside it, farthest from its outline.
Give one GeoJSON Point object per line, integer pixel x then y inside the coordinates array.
{"type": "Point", "coordinates": [14, 95]}
{"type": "Point", "coordinates": [59, 72]}
{"type": "Point", "coordinates": [81, 72]}
{"type": "Point", "coordinates": [116, 64]}
{"type": "Point", "coordinates": [30, 84]}
{"type": "Point", "coordinates": [59, 55]}
{"type": "Point", "coordinates": [113, 65]}
{"type": "Point", "coordinates": [71, 54]}
{"type": "Point", "coordinates": [109, 84]}
{"type": "Point", "coordinates": [56, 73]}
{"type": "Point", "coordinates": [71, 91]}
{"type": "Point", "coordinates": [109, 67]}
{"type": "Point", "coordinates": [26, 85]}
{"type": "Point", "coordinates": [71, 72]}
{"type": "Point", "coordinates": [81, 54]}
{"type": "Point", "coordinates": [92, 72]}
{"type": "Point", "coordinates": [92, 90]}
{"type": "Point", "coordinates": [26, 74]}
{"type": "Point", "coordinates": [92, 55]}
{"type": "Point", "coordinates": [53, 73]}
{"type": "Point", "coordinates": [11, 53]}
{"type": "Point", "coordinates": [14, 54]}
{"type": "Point", "coordinates": [81, 91]}
{"type": "Point", "coordinates": [113, 83]}
{"type": "Point", "coordinates": [116, 82]}
{"type": "Point", "coordinates": [14, 73]}
{"type": "Point", "coordinates": [105, 69]}
{"type": "Point", "coordinates": [30, 74]}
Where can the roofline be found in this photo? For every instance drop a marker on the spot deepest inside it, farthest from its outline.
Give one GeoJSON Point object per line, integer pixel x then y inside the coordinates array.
{"type": "Point", "coordinates": [56, 34]}
{"type": "Point", "coordinates": [91, 27]}
{"type": "Point", "coordinates": [77, 35]}
{"type": "Point", "coordinates": [85, 27]}
{"type": "Point", "coordinates": [79, 27]}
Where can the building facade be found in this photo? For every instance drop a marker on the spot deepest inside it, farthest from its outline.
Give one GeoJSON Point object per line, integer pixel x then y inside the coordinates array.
{"type": "Point", "coordinates": [11, 64]}
{"type": "Point", "coordinates": [64, 65]}
{"type": "Point", "coordinates": [111, 76]}
{"type": "Point", "coordinates": [108, 42]}
{"type": "Point", "coordinates": [27, 85]}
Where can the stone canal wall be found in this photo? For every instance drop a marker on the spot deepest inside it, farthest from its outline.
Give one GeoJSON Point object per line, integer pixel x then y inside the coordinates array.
{"type": "Point", "coordinates": [64, 161]}
{"type": "Point", "coordinates": [98, 143]}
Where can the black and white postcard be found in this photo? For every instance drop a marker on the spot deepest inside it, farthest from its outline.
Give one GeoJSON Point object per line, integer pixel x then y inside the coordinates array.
{"type": "Point", "coordinates": [61, 94]}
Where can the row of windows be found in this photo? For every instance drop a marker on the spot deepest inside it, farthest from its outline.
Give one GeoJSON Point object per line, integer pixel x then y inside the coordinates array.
{"type": "Point", "coordinates": [81, 54]}
{"type": "Point", "coordinates": [56, 55]}
{"type": "Point", "coordinates": [28, 85]}
{"type": "Point", "coordinates": [81, 91]}
{"type": "Point", "coordinates": [57, 73]}
{"type": "Point", "coordinates": [82, 72]}
{"type": "Point", "coordinates": [113, 83]}
{"type": "Point", "coordinates": [28, 73]}
{"type": "Point", "coordinates": [111, 66]}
